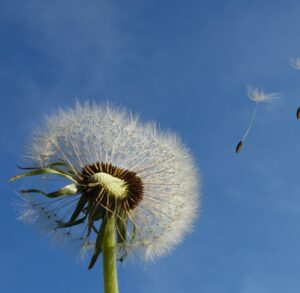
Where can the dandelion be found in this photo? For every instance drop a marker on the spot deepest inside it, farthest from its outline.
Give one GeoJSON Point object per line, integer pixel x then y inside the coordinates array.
{"type": "Point", "coordinates": [258, 96]}
{"type": "Point", "coordinates": [130, 189]}
{"type": "Point", "coordinates": [295, 62]}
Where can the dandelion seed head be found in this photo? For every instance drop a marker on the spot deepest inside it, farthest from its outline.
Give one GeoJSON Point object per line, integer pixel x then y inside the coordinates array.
{"type": "Point", "coordinates": [259, 96]}
{"type": "Point", "coordinates": [133, 169]}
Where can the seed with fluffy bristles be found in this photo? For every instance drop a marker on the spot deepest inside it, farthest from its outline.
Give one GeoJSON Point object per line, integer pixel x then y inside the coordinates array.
{"type": "Point", "coordinates": [258, 96]}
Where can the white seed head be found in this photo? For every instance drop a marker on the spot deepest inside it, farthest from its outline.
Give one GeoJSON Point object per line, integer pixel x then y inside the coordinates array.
{"type": "Point", "coordinates": [92, 133]}
{"type": "Point", "coordinates": [259, 96]}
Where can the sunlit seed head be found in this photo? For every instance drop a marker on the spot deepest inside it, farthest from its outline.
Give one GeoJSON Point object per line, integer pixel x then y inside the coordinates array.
{"type": "Point", "coordinates": [146, 178]}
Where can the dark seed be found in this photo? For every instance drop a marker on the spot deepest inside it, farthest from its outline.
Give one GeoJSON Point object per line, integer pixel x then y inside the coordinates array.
{"type": "Point", "coordinates": [239, 147]}
{"type": "Point", "coordinates": [298, 113]}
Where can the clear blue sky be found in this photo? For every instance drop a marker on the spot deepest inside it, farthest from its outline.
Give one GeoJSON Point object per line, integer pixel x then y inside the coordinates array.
{"type": "Point", "coordinates": [185, 65]}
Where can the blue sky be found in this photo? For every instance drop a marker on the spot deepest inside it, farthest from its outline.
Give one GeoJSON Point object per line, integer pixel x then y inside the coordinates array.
{"type": "Point", "coordinates": [186, 66]}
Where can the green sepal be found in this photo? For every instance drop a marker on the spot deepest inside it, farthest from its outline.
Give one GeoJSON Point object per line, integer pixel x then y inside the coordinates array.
{"type": "Point", "coordinates": [134, 228]}
{"type": "Point", "coordinates": [98, 244]}
{"type": "Point", "coordinates": [70, 223]}
{"type": "Point", "coordinates": [99, 213]}
{"type": "Point", "coordinates": [133, 235]}
{"type": "Point", "coordinates": [70, 169]}
{"type": "Point", "coordinates": [40, 171]}
{"type": "Point", "coordinates": [121, 227]}
{"type": "Point", "coordinates": [92, 214]}
{"type": "Point", "coordinates": [70, 189]}
{"type": "Point", "coordinates": [80, 206]}
{"type": "Point", "coordinates": [68, 166]}
{"type": "Point", "coordinates": [95, 229]}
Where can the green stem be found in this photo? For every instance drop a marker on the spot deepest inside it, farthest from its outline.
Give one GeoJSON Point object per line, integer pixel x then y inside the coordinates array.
{"type": "Point", "coordinates": [110, 257]}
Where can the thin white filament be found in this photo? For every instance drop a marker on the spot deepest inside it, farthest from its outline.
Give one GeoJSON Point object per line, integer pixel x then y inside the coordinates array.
{"type": "Point", "coordinates": [251, 122]}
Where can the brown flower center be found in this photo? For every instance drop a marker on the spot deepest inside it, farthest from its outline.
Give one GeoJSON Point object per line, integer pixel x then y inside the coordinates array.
{"type": "Point", "coordinates": [111, 187]}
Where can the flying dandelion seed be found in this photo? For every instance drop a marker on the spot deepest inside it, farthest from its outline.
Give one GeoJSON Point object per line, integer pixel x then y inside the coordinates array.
{"type": "Point", "coordinates": [295, 62]}
{"type": "Point", "coordinates": [258, 96]}
{"type": "Point", "coordinates": [132, 189]}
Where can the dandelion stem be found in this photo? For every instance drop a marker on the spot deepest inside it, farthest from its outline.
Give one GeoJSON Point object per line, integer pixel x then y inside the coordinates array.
{"type": "Point", "coordinates": [110, 257]}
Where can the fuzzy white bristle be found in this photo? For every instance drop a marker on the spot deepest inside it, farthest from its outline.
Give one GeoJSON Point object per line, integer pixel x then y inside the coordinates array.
{"type": "Point", "coordinates": [259, 96]}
